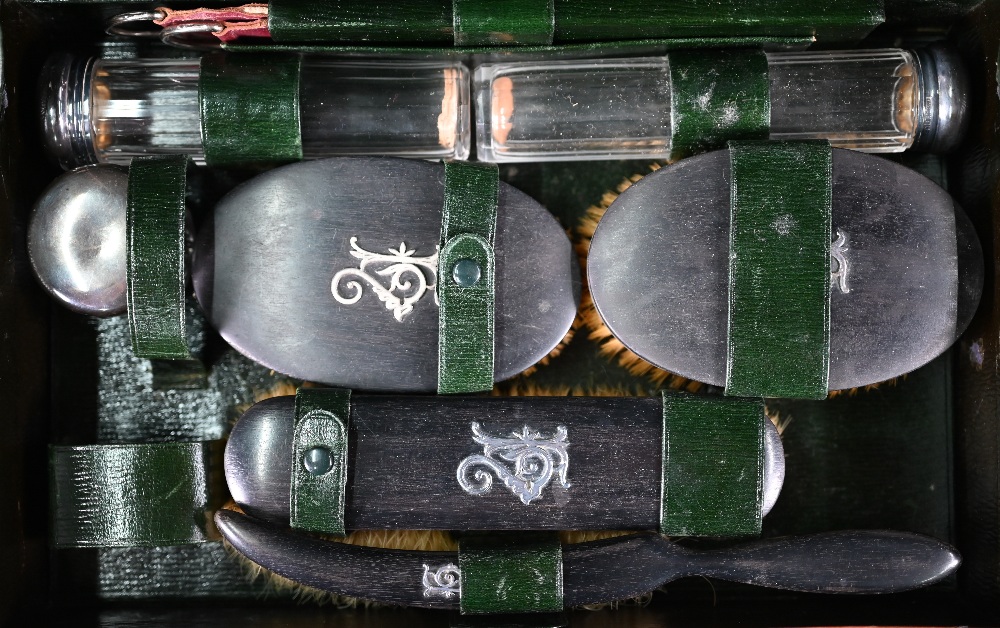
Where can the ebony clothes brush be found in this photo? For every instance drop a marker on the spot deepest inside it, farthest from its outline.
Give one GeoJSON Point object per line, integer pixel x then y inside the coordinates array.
{"type": "Point", "coordinates": [480, 463]}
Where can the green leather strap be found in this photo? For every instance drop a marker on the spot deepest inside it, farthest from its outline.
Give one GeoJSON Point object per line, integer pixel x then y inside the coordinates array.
{"type": "Point", "coordinates": [779, 270]}
{"type": "Point", "coordinates": [466, 312]}
{"type": "Point", "coordinates": [155, 260]}
{"type": "Point", "coordinates": [511, 574]}
{"type": "Point", "coordinates": [430, 21]}
{"type": "Point", "coordinates": [361, 21]}
{"type": "Point", "coordinates": [319, 459]}
{"type": "Point", "coordinates": [592, 20]}
{"type": "Point", "coordinates": [250, 108]}
{"type": "Point", "coordinates": [713, 465]}
{"type": "Point", "coordinates": [135, 495]}
{"type": "Point", "coordinates": [507, 23]}
{"type": "Point", "coordinates": [716, 96]}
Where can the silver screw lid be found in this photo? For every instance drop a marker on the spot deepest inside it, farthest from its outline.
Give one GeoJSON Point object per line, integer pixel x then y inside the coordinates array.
{"type": "Point", "coordinates": [944, 100]}
{"type": "Point", "coordinates": [64, 99]}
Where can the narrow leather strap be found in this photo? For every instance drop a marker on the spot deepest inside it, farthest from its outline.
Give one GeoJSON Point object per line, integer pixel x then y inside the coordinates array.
{"type": "Point", "coordinates": [466, 278]}
{"type": "Point", "coordinates": [713, 465]}
{"type": "Point", "coordinates": [507, 23]}
{"type": "Point", "coordinates": [779, 270]}
{"type": "Point", "coordinates": [511, 574]}
{"type": "Point", "coordinates": [250, 108]}
{"type": "Point", "coordinates": [155, 268]}
{"type": "Point", "coordinates": [430, 21]}
{"type": "Point", "coordinates": [135, 495]}
{"type": "Point", "coordinates": [319, 459]}
{"type": "Point", "coordinates": [715, 96]}
{"type": "Point", "coordinates": [361, 21]}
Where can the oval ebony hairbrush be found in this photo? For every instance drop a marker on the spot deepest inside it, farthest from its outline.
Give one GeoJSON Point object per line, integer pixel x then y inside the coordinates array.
{"type": "Point", "coordinates": [607, 570]}
{"type": "Point", "coordinates": [427, 463]}
{"type": "Point", "coordinates": [327, 271]}
{"type": "Point", "coordinates": [905, 269]}
{"type": "Point", "coordinates": [321, 268]}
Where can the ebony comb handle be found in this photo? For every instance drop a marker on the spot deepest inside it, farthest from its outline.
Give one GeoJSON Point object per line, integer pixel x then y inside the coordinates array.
{"type": "Point", "coordinates": [858, 561]}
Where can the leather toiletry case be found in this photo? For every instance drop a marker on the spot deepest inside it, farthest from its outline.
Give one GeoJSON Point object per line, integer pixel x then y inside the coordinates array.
{"type": "Point", "coordinates": [527, 313]}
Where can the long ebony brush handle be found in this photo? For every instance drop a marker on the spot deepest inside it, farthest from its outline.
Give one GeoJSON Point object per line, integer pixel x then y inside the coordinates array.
{"type": "Point", "coordinates": [852, 561]}
{"type": "Point", "coordinates": [602, 571]}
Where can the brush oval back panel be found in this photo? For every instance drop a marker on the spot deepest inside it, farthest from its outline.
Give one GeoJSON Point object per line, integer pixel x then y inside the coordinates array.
{"type": "Point", "coordinates": [326, 271]}
{"type": "Point", "coordinates": [906, 269]}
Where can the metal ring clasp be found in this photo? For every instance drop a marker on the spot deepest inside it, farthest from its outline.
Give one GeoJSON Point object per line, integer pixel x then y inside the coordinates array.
{"type": "Point", "coordinates": [188, 35]}
{"type": "Point", "coordinates": [118, 25]}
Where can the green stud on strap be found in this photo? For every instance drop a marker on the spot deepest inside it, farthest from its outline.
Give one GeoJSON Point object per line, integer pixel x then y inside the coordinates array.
{"type": "Point", "coordinates": [779, 270]}
{"type": "Point", "coordinates": [148, 494]}
{"type": "Point", "coordinates": [250, 108]}
{"type": "Point", "coordinates": [511, 574]}
{"type": "Point", "coordinates": [713, 465]}
{"type": "Point", "coordinates": [715, 96]}
{"type": "Point", "coordinates": [467, 298]}
{"type": "Point", "coordinates": [507, 23]}
{"type": "Point", "coordinates": [319, 459]}
{"type": "Point", "coordinates": [155, 259]}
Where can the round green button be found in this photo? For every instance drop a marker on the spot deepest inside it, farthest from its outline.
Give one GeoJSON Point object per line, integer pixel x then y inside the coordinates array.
{"type": "Point", "coordinates": [466, 272]}
{"type": "Point", "coordinates": [317, 461]}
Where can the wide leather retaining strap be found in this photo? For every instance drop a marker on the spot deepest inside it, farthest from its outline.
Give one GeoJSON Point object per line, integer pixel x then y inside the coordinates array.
{"type": "Point", "coordinates": [715, 96]}
{"type": "Point", "coordinates": [155, 269]}
{"type": "Point", "coordinates": [779, 269]}
{"type": "Point", "coordinates": [146, 494]}
{"type": "Point", "coordinates": [510, 573]}
{"type": "Point", "coordinates": [250, 108]}
{"type": "Point", "coordinates": [319, 459]}
{"type": "Point", "coordinates": [466, 269]}
{"type": "Point", "coordinates": [713, 465]}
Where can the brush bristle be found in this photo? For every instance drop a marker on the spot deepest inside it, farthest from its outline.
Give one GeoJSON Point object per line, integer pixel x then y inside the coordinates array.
{"type": "Point", "coordinates": [850, 392]}
{"type": "Point", "coordinates": [608, 345]}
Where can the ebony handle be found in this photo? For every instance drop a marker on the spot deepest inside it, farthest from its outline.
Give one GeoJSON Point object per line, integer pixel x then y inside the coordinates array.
{"type": "Point", "coordinates": [856, 561]}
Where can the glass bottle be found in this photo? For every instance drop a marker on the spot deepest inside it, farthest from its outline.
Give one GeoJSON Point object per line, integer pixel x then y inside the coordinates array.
{"type": "Point", "coordinates": [110, 110]}
{"type": "Point", "coordinates": [878, 101]}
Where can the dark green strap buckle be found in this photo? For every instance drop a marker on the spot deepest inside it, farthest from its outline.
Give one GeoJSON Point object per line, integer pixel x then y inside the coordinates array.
{"type": "Point", "coordinates": [713, 466]}
{"type": "Point", "coordinates": [507, 23]}
{"type": "Point", "coordinates": [715, 96]}
{"type": "Point", "coordinates": [250, 108]}
{"type": "Point", "coordinates": [466, 268]}
{"type": "Point", "coordinates": [155, 267]}
{"type": "Point", "coordinates": [511, 574]}
{"type": "Point", "coordinates": [319, 459]}
{"type": "Point", "coordinates": [147, 494]}
{"type": "Point", "coordinates": [779, 269]}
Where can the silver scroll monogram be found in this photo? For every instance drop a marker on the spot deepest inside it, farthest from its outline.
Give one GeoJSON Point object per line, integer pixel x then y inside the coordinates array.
{"type": "Point", "coordinates": [443, 582]}
{"type": "Point", "coordinates": [838, 277]}
{"type": "Point", "coordinates": [533, 461]}
{"type": "Point", "coordinates": [409, 278]}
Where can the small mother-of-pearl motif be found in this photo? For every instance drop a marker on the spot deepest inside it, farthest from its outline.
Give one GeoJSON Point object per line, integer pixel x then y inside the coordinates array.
{"type": "Point", "coordinates": [443, 582]}
{"type": "Point", "coordinates": [838, 249]}
{"type": "Point", "coordinates": [409, 278]}
{"type": "Point", "coordinates": [535, 460]}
